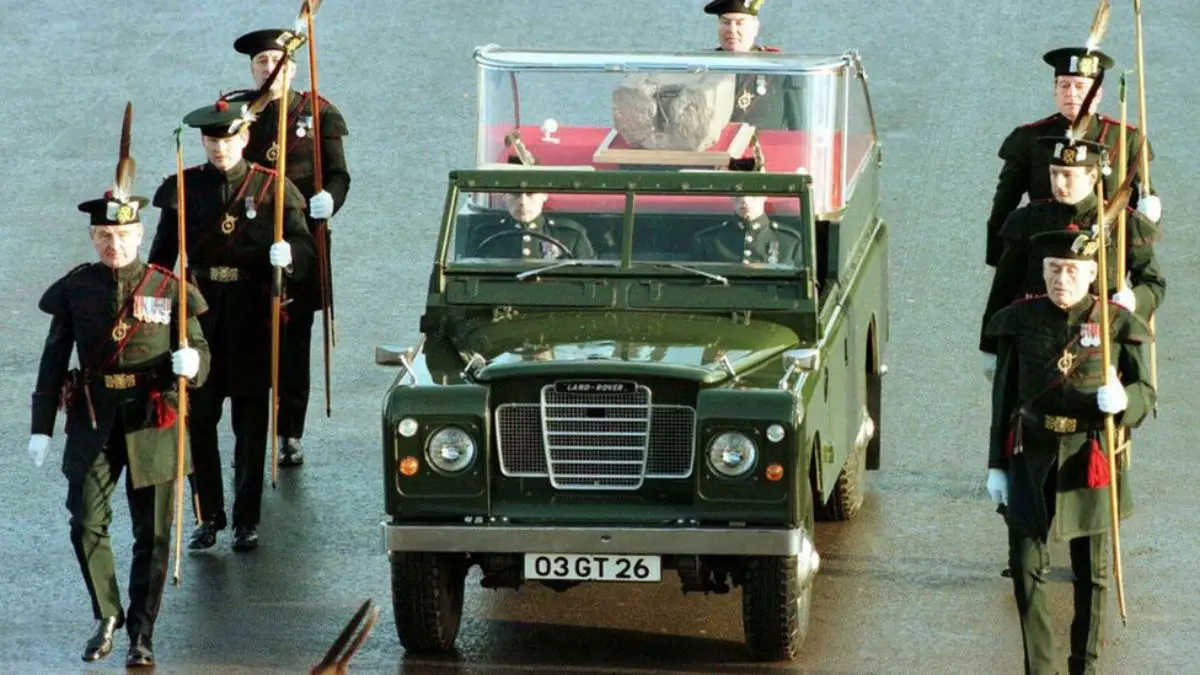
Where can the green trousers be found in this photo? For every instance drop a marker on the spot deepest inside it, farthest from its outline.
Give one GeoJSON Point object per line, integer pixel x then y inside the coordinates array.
{"type": "Point", "coordinates": [1029, 560]}
{"type": "Point", "coordinates": [150, 510]}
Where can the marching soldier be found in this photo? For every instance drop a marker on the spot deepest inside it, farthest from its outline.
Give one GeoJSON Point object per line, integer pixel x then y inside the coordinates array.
{"type": "Point", "coordinates": [119, 317]}
{"type": "Point", "coordinates": [231, 251]}
{"type": "Point", "coordinates": [1073, 171]}
{"type": "Point", "coordinates": [1046, 463]}
{"type": "Point", "coordinates": [753, 237]}
{"type": "Point", "coordinates": [305, 294]}
{"type": "Point", "coordinates": [527, 232]}
{"type": "Point", "coordinates": [765, 101]}
{"type": "Point", "coordinates": [1025, 159]}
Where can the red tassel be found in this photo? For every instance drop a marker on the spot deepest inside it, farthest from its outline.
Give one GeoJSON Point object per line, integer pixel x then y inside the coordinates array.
{"type": "Point", "coordinates": [1098, 475]}
{"type": "Point", "coordinates": [164, 414]}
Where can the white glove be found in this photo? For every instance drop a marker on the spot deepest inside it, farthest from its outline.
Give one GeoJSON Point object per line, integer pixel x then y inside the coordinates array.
{"type": "Point", "coordinates": [988, 362]}
{"type": "Point", "coordinates": [997, 485]}
{"type": "Point", "coordinates": [38, 445]}
{"type": "Point", "coordinates": [186, 362]}
{"type": "Point", "coordinates": [320, 206]}
{"type": "Point", "coordinates": [281, 254]}
{"type": "Point", "coordinates": [1125, 298]}
{"type": "Point", "coordinates": [1111, 398]}
{"type": "Point", "coordinates": [1151, 207]}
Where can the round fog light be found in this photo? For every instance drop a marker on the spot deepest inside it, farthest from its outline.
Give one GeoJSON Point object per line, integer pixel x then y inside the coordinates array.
{"type": "Point", "coordinates": [407, 427]}
{"type": "Point", "coordinates": [775, 433]}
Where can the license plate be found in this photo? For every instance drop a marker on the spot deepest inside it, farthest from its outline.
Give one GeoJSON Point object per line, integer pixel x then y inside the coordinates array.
{"type": "Point", "coordinates": [575, 567]}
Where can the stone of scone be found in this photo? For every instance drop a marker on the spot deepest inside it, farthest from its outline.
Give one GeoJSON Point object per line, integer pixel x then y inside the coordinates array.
{"type": "Point", "coordinates": [660, 111]}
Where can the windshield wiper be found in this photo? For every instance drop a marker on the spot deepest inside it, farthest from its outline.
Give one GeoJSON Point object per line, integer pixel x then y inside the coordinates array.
{"type": "Point", "coordinates": [693, 270]}
{"type": "Point", "coordinates": [570, 262]}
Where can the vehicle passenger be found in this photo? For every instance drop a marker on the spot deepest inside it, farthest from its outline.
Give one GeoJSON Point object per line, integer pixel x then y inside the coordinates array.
{"type": "Point", "coordinates": [765, 101]}
{"type": "Point", "coordinates": [1046, 458]}
{"type": "Point", "coordinates": [1025, 160]}
{"type": "Point", "coordinates": [752, 237]}
{"type": "Point", "coordinates": [527, 233]}
{"type": "Point", "coordinates": [1073, 171]}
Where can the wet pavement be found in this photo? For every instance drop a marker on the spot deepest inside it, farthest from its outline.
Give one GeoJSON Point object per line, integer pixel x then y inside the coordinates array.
{"type": "Point", "coordinates": [911, 586]}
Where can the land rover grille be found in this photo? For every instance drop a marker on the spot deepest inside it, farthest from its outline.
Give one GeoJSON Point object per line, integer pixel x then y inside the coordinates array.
{"type": "Point", "coordinates": [595, 440]}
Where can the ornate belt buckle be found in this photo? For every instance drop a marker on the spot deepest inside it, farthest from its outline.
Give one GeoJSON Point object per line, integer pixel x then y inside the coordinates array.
{"type": "Point", "coordinates": [120, 381]}
{"type": "Point", "coordinates": [1060, 425]}
{"type": "Point", "coordinates": [223, 274]}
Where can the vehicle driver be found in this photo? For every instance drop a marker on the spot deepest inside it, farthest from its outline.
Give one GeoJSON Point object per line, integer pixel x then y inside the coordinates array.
{"type": "Point", "coordinates": [525, 216]}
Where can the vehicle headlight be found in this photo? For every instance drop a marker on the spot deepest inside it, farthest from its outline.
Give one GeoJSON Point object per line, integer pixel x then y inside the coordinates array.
{"type": "Point", "coordinates": [732, 454]}
{"type": "Point", "coordinates": [450, 449]}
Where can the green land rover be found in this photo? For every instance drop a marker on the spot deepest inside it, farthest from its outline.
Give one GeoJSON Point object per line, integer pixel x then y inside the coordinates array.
{"type": "Point", "coordinates": [609, 384]}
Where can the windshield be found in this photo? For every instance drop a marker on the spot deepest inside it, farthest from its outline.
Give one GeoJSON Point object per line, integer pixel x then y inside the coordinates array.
{"type": "Point", "coordinates": [678, 112]}
{"type": "Point", "coordinates": [559, 229]}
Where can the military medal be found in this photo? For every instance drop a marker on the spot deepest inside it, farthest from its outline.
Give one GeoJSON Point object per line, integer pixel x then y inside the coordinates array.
{"type": "Point", "coordinates": [120, 330]}
{"type": "Point", "coordinates": [251, 213]}
{"type": "Point", "coordinates": [228, 224]}
{"type": "Point", "coordinates": [152, 309]}
{"type": "Point", "coordinates": [1089, 335]}
{"type": "Point", "coordinates": [303, 126]}
{"type": "Point", "coordinates": [1065, 362]}
{"type": "Point", "coordinates": [745, 99]}
{"type": "Point", "coordinates": [273, 151]}
{"type": "Point", "coordinates": [760, 85]}
{"type": "Point", "coordinates": [549, 251]}
{"type": "Point", "coordinates": [773, 252]}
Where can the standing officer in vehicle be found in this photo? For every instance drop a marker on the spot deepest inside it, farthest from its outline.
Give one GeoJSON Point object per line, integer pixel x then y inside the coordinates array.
{"type": "Point", "coordinates": [1074, 169]}
{"type": "Point", "coordinates": [263, 48]}
{"type": "Point", "coordinates": [119, 317]}
{"type": "Point", "coordinates": [1046, 460]}
{"type": "Point", "coordinates": [752, 237]}
{"type": "Point", "coordinates": [231, 251]}
{"type": "Point", "coordinates": [765, 101]}
{"type": "Point", "coordinates": [1025, 160]}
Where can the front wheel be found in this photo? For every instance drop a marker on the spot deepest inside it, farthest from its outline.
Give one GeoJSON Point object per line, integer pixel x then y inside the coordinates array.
{"type": "Point", "coordinates": [427, 599]}
{"type": "Point", "coordinates": [776, 599]}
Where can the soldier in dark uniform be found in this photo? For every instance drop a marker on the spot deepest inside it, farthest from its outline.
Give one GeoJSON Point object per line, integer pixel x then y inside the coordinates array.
{"type": "Point", "coordinates": [765, 101]}
{"type": "Point", "coordinates": [304, 294]}
{"type": "Point", "coordinates": [120, 317]}
{"type": "Point", "coordinates": [1046, 457]}
{"type": "Point", "coordinates": [517, 236]}
{"type": "Point", "coordinates": [752, 237]}
{"type": "Point", "coordinates": [1025, 159]}
{"type": "Point", "coordinates": [1073, 170]}
{"type": "Point", "coordinates": [230, 223]}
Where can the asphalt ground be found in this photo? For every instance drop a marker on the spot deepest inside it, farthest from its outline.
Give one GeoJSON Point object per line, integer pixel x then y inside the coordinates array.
{"type": "Point", "coordinates": [911, 586]}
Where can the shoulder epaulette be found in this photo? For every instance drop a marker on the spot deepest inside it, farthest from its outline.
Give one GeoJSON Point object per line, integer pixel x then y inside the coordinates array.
{"type": "Point", "coordinates": [170, 274]}
{"type": "Point", "coordinates": [1027, 299]}
{"type": "Point", "coordinates": [1041, 200]}
{"type": "Point", "coordinates": [78, 268]}
{"type": "Point", "coordinates": [1109, 120]}
{"type": "Point", "coordinates": [262, 169]}
{"type": "Point", "coordinates": [1044, 120]}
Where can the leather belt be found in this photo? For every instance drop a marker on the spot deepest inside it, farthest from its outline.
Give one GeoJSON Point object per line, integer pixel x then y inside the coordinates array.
{"type": "Point", "coordinates": [120, 381]}
{"type": "Point", "coordinates": [1059, 424]}
{"type": "Point", "coordinates": [220, 274]}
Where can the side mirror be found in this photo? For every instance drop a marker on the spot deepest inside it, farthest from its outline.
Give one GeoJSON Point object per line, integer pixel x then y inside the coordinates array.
{"type": "Point", "coordinates": [390, 355]}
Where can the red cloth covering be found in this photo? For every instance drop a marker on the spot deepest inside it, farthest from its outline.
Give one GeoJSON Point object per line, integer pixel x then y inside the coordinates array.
{"type": "Point", "coordinates": [784, 151]}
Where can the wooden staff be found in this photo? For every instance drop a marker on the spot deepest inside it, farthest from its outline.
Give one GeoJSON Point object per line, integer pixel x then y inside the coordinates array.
{"type": "Point", "coordinates": [324, 234]}
{"type": "Point", "coordinates": [1122, 169]}
{"type": "Point", "coordinates": [182, 384]}
{"type": "Point", "coordinates": [1109, 425]}
{"type": "Point", "coordinates": [277, 273]}
{"type": "Point", "coordinates": [1144, 170]}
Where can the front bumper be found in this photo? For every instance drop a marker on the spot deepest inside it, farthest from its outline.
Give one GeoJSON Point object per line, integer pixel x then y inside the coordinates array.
{"type": "Point", "coordinates": [616, 541]}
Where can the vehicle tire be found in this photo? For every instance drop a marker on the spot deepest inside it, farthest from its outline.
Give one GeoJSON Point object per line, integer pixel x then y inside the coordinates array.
{"type": "Point", "coordinates": [427, 599]}
{"type": "Point", "coordinates": [847, 496]}
{"type": "Point", "coordinates": [775, 609]}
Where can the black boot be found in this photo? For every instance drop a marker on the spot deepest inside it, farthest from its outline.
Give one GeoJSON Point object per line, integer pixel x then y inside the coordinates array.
{"type": "Point", "coordinates": [245, 537]}
{"type": "Point", "coordinates": [204, 536]}
{"type": "Point", "coordinates": [141, 652]}
{"type": "Point", "coordinates": [100, 644]}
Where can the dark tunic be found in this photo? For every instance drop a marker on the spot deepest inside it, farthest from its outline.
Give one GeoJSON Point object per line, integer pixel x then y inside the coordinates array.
{"type": "Point", "coordinates": [768, 101]}
{"type": "Point", "coordinates": [1026, 168]}
{"type": "Point", "coordinates": [1018, 274]}
{"type": "Point", "coordinates": [301, 167]}
{"type": "Point", "coordinates": [127, 376]}
{"type": "Point", "coordinates": [758, 241]}
{"type": "Point", "coordinates": [1032, 338]}
{"type": "Point", "coordinates": [228, 252]}
{"type": "Point", "coordinates": [568, 232]}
